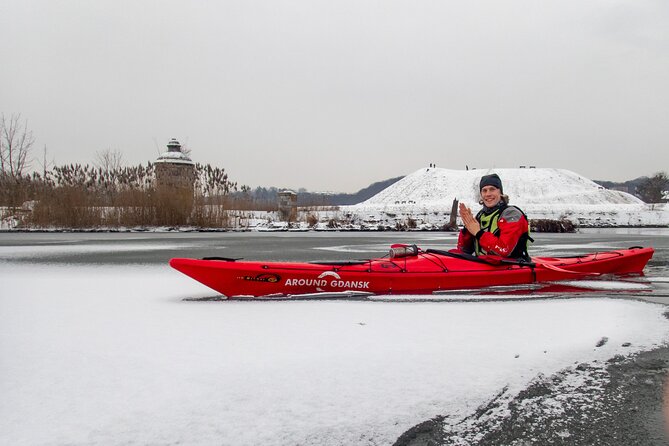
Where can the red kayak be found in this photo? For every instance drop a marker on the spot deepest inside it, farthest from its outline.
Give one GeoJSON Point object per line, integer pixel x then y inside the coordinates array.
{"type": "Point", "coordinates": [408, 270]}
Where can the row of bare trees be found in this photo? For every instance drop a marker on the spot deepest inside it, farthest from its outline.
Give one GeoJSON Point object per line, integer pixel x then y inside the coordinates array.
{"type": "Point", "coordinates": [654, 189]}
{"type": "Point", "coordinates": [78, 195]}
{"type": "Point", "coordinates": [107, 193]}
{"type": "Point", "coordinates": [16, 142]}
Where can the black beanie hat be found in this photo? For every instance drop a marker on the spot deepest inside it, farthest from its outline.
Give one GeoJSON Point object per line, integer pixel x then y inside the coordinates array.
{"type": "Point", "coordinates": [491, 180]}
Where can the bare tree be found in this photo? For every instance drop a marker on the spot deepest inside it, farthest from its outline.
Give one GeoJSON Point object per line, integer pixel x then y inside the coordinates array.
{"type": "Point", "coordinates": [109, 160]}
{"type": "Point", "coordinates": [16, 141]}
{"type": "Point", "coordinates": [185, 149]}
{"type": "Point", "coordinates": [652, 189]}
{"type": "Point", "coordinates": [45, 163]}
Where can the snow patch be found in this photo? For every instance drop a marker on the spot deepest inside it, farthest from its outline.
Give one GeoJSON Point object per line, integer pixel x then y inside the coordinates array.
{"type": "Point", "coordinates": [113, 355]}
{"type": "Point", "coordinates": [607, 285]}
{"type": "Point", "coordinates": [427, 196]}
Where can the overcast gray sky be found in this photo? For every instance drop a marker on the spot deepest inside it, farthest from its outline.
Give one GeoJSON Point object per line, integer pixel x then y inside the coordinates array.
{"type": "Point", "coordinates": [333, 95]}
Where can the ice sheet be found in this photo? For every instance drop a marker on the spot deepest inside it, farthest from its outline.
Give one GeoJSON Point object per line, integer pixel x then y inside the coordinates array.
{"type": "Point", "coordinates": [113, 355]}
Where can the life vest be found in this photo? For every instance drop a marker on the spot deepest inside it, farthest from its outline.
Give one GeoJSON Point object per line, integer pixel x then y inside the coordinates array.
{"type": "Point", "coordinates": [489, 223]}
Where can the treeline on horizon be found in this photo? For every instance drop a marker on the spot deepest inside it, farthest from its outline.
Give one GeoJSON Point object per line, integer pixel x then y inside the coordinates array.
{"type": "Point", "coordinates": [305, 198]}
{"type": "Point", "coordinates": [79, 196]}
{"type": "Point", "coordinates": [111, 194]}
{"type": "Point", "coordinates": [82, 195]}
{"type": "Point", "coordinates": [649, 189]}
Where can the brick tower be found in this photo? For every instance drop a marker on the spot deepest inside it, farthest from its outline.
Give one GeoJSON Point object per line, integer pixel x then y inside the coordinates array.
{"type": "Point", "coordinates": [175, 180]}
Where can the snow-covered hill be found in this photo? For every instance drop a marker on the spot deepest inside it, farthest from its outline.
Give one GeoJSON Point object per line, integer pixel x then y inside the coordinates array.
{"type": "Point", "coordinates": [427, 196]}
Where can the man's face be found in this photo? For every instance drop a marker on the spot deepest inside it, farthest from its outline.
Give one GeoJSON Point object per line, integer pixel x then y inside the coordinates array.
{"type": "Point", "coordinates": [490, 196]}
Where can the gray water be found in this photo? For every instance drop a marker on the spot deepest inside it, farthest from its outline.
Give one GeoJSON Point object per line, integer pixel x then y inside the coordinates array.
{"type": "Point", "coordinates": [157, 248]}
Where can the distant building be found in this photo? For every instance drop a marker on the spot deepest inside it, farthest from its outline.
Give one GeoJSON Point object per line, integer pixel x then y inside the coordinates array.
{"type": "Point", "coordinates": [175, 185]}
{"type": "Point", "coordinates": [287, 205]}
{"type": "Point", "coordinates": [174, 168]}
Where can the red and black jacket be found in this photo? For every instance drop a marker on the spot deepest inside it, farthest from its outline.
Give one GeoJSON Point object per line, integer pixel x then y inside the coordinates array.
{"type": "Point", "coordinates": [504, 232]}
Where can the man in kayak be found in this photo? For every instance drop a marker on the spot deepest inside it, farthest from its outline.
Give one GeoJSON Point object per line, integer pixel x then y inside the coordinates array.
{"type": "Point", "coordinates": [498, 228]}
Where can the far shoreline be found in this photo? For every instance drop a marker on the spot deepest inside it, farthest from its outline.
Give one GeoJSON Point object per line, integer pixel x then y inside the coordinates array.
{"type": "Point", "coordinates": [185, 229]}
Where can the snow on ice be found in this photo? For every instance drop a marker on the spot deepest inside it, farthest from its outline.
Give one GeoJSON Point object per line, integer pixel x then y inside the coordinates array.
{"type": "Point", "coordinates": [113, 355]}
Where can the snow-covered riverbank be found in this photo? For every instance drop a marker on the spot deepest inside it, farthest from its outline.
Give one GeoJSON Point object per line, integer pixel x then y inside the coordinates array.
{"type": "Point", "coordinates": [423, 201]}
{"type": "Point", "coordinates": [427, 195]}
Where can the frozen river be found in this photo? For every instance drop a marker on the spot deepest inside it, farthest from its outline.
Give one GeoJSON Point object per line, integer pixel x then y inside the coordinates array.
{"type": "Point", "coordinates": [98, 345]}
